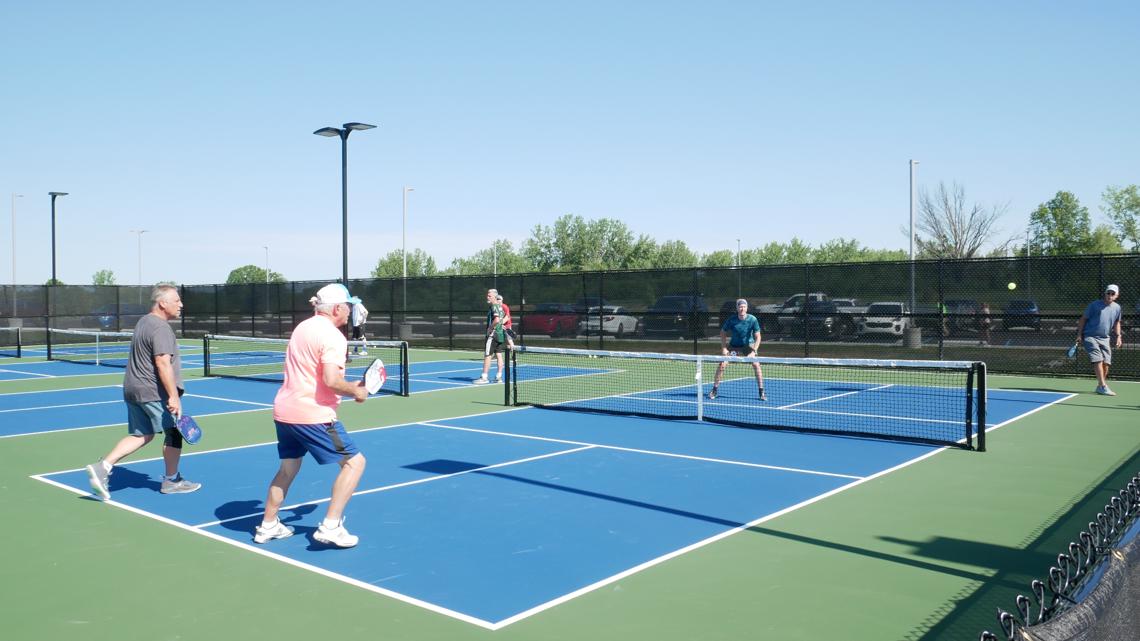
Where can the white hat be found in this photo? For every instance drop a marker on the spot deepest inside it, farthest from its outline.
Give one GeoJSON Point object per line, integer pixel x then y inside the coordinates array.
{"type": "Point", "coordinates": [333, 294]}
{"type": "Point", "coordinates": [1115, 289]}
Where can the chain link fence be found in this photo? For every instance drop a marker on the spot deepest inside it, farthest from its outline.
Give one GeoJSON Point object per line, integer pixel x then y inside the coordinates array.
{"type": "Point", "coordinates": [1019, 315]}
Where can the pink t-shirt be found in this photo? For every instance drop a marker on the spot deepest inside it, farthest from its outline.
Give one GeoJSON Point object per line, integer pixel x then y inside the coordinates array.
{"type": "Point", "coordinates": [304, 398]}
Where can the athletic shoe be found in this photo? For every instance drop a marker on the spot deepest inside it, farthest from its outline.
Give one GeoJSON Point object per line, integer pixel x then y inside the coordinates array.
{"type": "Point", "coordinates": [482, 380]}
{"type": "Point", "coordinates": [179, 486]}
{"type": "Point", "coordinates": [364, 352]}
{"type": "Point", "coordinates": [337, 536]}
{"type": "Point", "coordinates": [499, 378]}
{"type": "Point", "coordinates": [712, 394]}
{"type": "Point", "coordinates": [99, 478]}
{"type": "Point", "coordinates": [763, 397]}
{"type": "Point", "coordinates": [277, 531]}
{"type": "Point", "coordinates": [1104, 391]}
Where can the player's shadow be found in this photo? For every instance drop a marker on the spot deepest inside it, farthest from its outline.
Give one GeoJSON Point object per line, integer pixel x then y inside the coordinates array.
{"type": "Point", "coordinates": [124, 477]}
{"type": "Point", "coordinates": [243, 516]}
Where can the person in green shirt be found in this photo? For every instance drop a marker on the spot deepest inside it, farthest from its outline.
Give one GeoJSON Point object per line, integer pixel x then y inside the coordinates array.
{"type": "Point", "coordinates": [739, 336]}
{"type": "Point", "coordinates": [496, 338]}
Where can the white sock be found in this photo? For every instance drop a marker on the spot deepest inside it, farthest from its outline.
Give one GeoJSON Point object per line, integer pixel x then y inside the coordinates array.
{"type": "Point", "coordinates": [171, 478]}
{"type": "Point", "coordinates": [106, 466]}
{"type": "Point", "coordinates": [330, 524]}
{"type": "Point", "coordinates": [265, 525]}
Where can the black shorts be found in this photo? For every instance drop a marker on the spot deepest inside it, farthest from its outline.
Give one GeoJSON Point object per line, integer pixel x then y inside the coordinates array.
{"type": "Point", "coordinates": [493, 346]}
{"type": "Point", "coordinates": [357, 332]}
{"type": "Point", "coordinates": [741, 350]}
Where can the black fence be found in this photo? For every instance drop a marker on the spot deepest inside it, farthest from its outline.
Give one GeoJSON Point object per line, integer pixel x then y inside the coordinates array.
{"type": "Point", "coordinates": [942, 309]}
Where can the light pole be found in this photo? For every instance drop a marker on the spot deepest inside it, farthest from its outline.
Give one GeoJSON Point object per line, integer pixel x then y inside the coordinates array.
{"type": "Point", "coordinates": [267, 307]}
{"type": "Point", "coordinates": [913, 164]}
{"type": "Point", "coordinates": [1028, 253]}
{"type": "Point", "coordinates": [14, 197]}
{"type": "Point", "coordinates": [738, 290]}
{"type": "Point", "coordinates": [54, 195]}
{"type": "Point", "coordinates": [140, 232]}
{"type": "Point", "coordinates": [330, 132]}
{"type": "Point", "coordinates": [404, 247]}
{"type": "Point", "coordinates": [495, 267]}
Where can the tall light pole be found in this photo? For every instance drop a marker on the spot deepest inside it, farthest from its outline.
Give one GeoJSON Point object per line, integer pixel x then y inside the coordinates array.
{"type": "Point", "coordinates": [331, 132]}
{"type": "Point", "coordinates": [913, 164]}
{"type": "Point", "coordinates": [140, 232]}
{"type": "Point", "coordinates": [54, 195]}
{"type": "Point", "coordinates": [267, 306]}
{"type": "Point", "coordinates": [1028, 253]}
{"type": "Point", "coordinates": [738, 268]}
{"type": "Point", "coordinates": [404, 246]}
{"type": "Point", "coordinates": [14, 197]}
{"type": "Point", "coordinates": [495, 251]}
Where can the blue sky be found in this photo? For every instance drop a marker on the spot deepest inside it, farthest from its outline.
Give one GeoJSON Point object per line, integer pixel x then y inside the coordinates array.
{"type": "Point", "coordinates": [704, 122]}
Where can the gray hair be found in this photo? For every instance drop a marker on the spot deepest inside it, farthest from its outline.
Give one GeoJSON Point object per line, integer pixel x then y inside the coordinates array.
{"type": "Point", "coordinates": [322, 308]}
{"type": "Point", "coordinates": [159, 292]}
{"type": "Point", "coordinates": [494, 292]}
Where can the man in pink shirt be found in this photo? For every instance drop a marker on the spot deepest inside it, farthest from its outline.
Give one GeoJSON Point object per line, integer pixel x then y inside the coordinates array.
{"type": "Point", "coordinates": [304, 412]}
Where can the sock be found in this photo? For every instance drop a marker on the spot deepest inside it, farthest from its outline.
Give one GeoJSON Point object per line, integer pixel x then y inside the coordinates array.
{"type": "Point", "coordinates": [106, 466]}
{"type": "Point", "coordinates": [265, 525]}
{"type": "Point", "coordinates": [172, 478]}
{"type": "Point", "coordinates": [330, 524]}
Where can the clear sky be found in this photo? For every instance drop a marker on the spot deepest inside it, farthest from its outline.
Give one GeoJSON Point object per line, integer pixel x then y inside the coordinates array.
{"type": "Point", "coordinates": [699, 121]}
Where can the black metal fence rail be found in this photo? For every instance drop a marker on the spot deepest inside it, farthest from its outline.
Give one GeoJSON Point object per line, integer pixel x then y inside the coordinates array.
{"type": "Point", "coordinates": [1093, 586]}
{"type": "Point", "coordinates": [937, 309]}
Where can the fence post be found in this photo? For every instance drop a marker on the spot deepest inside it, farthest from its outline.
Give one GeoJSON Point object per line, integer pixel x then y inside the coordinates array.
{"type": "Point", "coordinates": [450, 312]}
{"type": "Point", "coordinates": [942, 326]}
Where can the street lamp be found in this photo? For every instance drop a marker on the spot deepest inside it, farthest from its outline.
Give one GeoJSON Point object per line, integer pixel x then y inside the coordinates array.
{"type": "Point", "coordinates": [14, 197]}
{"type": "Point", "coordinates": [140, 232]}
{"type": "Point", "coordinates": [404, 246]}
{"type": "Point", "coordinates": [332, 132]}
{"type": "Point", "coordinates": [267, 306]}
{"type": "Point", "coordinates": [54, 195]}
{"type": "Point", "coordinates": [913, 164]}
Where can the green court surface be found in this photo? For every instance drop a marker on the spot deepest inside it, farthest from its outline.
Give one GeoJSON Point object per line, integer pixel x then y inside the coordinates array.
{"type": "Point", "coordinates": [925, 552]}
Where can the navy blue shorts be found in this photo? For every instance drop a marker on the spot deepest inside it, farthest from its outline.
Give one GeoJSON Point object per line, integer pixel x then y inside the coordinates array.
{"type": "Point", "coordinates": [327, 442]}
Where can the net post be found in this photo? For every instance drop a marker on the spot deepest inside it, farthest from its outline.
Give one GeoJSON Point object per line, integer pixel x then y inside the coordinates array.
{"type": "Point", "coordinates": [98, 348]}
{"type": "Point", "coordinates": [206, 355]}
{"type": "Point", "coordinates": [405, 375]}
{"type": "Point", "coordinates": [982, 393]}
{"type": "Point", "coordinates": [19, 335]}
{"type": "Point", "coordinates": [700, 393]}
{"type": "Point", "coordinates": [508, 363]}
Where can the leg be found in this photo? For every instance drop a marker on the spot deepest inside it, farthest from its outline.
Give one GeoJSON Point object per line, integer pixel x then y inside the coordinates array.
{"type": "Point", "coordinates": [344, 485]}
{"type": "Point", "coordinates": [126, 446]}
{"type": "Point", "coordinates": [717, 378]}
{"type": "Point", "coordinates": [759, 380]}
{"type": "Point", "coordinates": [279, 487]}
{"type": "Point", "coordinates": [499, 364]}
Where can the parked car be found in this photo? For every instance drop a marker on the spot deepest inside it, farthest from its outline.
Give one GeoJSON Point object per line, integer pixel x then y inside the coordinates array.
{"type": "Point", "coordinates": [963, 316]}
{"type": "Point", "coordinates": [613, 320]}
{"type": "Point", "coordinates": [1021, 313]}
{"type": "Point", "coordinates": [586, 302]}
{"type": "Point", "coordinates": [772, 317]}
{"type": "Point", "coordinates": [682, 315]}
{"type": "Point", "coordinates": [116, 317]}
{"type": "Point", "coordinates": [554, 319]}
{"type": "Point", "coordinates": [891, 318]}
{"type": "Point", "coordinates": [851, 306]}
{"type": "Point", "coordinates": [821, 319]}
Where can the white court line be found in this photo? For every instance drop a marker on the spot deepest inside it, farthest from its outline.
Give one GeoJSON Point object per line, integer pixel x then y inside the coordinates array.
{"type": "Point", "coordinates": [229, 400]}
{"type": "Point", "coordinates": [23, 373]}
{"type": "Point", "coordinates": [49, 407]}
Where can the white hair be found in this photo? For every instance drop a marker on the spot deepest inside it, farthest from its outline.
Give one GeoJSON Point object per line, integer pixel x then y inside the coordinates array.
{"type": "Point", "coordinates": [322, 308]}
{"type": "Point", "coordinates": [160, 292]}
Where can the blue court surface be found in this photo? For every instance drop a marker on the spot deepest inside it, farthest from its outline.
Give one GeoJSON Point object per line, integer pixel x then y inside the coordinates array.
{"type": "Point", "coordinates": [495, 517]}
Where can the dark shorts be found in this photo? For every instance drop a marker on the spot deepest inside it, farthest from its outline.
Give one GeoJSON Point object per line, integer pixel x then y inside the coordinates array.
{"type": "Point", "coordinates": [358, 332]}
{"type": "Point", "coordinates": [327, 442]}
{"type": "Point", "coordinates": [741, 350]}
{"type": "Point", "coordinates": [493, 346]}
{"type": "Point", "coordinates": [148, 418]}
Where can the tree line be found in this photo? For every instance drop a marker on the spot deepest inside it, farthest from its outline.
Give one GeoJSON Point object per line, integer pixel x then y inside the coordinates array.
{"type": "Point", "coordinates": [949, 225]}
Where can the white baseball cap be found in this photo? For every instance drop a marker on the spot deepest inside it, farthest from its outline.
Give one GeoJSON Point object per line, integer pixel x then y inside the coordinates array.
{"type": "Point", "coordinates": [334, 294]}
{"type": "Point", "coordinates": [1115, 289]}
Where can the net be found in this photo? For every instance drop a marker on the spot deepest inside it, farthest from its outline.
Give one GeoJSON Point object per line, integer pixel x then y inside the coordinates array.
{"type": "Point", "coordinates": [937, 402]}
{"type": "Point", "coordinates": [10, 341]}
{"type": "Point", "coordinates": [263, 359]}
{"type": "Point", "coordinates": [112, 349]}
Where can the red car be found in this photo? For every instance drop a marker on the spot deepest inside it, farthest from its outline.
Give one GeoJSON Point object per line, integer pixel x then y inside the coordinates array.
{"type": "Point", "coordinates": [555, 319]}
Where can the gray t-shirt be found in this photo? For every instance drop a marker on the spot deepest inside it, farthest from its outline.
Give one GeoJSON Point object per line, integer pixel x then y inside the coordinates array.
{"type": "Point", "coordinates": [152, 336]}
{"type": "Point", "coordinates": [1101, 318]}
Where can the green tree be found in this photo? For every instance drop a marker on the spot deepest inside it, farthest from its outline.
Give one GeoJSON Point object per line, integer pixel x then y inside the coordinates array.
{"type": "Point", "coordinates": [719, 258]}
{"type": "Point", "coordinates": [1103, 241]}
{"type": "Point", "coordinates": [948, 227]}
{"type": "Point", "coordinates": [576, 244]}
{"type": "Point", "coordinates": [1122, 206]}
{"type": "Point", "coordinates": [103, 277]}
{"type": "Point", "coordinates": [1061, 226]}
{"type": "Point", "coordinates": [252, 274]}
{"type": "Point", "coordinates": [499, 258]}
{"type": "Point", "coordinates": [53, 282]}
{"type": "Point", "coordinates": [674, 253]}
{"type": "Point", "coordinates": [392, 264]}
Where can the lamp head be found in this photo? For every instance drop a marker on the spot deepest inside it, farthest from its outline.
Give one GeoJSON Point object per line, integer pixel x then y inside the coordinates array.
{"type": "Point", "coordinates": [328, 132]}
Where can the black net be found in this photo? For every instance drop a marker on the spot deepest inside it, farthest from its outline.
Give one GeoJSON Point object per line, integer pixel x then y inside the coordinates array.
{"type": "Point", "coordinates": [928, 401]}
{"type": "Point", "coordinates": [93, 348]}
{"type": "Point", "coordinates": [263, 359]}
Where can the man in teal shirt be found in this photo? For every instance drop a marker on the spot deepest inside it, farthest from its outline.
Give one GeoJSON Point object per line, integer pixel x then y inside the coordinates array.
{"type": "Point", "coordinates": [739, 336]}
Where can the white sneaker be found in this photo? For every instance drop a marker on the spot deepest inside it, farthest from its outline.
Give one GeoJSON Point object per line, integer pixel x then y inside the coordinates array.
{"type": "Point", "coordinates": [337, 536]}
{"type": "Point", "coordinates": [1104, 391]}
{"type": "Point", "coordinates": [278, 531]}
{"type": "Point", "coordinates": [99, 479]}
{"type": "Point", "coordinates": [482, 380]}
{"type": "Point", "coordinates": [364, 352]}
{"type": "Point", "coordinates": [499, 378]}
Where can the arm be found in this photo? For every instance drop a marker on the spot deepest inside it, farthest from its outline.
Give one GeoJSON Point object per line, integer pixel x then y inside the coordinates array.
{"type": "Point", "coordinates": [756, 337]}
{"type": "Point", "coordinates": [1081, 326]}
{"type": "Point", "coordinates": [1119, 331]}
{"type": "Point", "coordinates": [164, 366]}
{"type": "Point", "coordinates": [723, 342]}
{"type": "Point", "coordinates": [333, 378]}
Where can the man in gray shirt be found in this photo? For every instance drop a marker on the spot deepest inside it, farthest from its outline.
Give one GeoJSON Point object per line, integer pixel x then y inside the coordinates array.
{"type": "Point", "coordinates": [152, 388]}
{"type": "Point", "coordinates": [1100, 323]}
